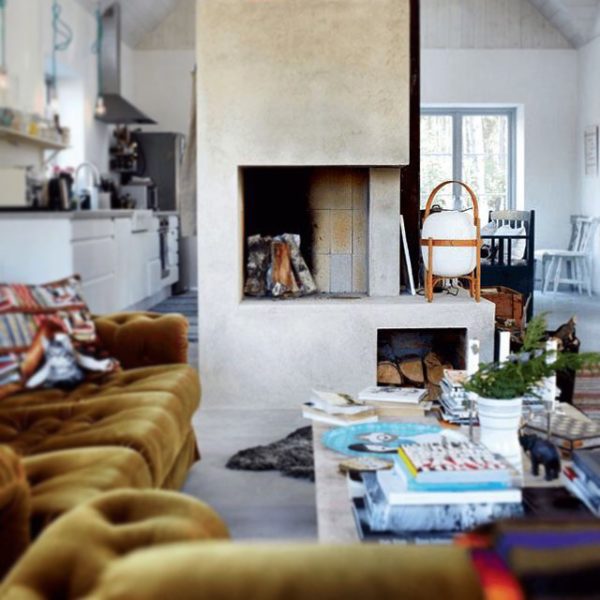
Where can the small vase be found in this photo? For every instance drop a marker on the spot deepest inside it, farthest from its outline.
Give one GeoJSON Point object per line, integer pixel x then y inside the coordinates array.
{"type": "Point", "coordinates": [499, 422]}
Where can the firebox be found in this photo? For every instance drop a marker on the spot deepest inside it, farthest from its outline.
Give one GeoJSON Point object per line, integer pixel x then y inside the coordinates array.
{"type": "Point", "coordinates": [308, 219]}
{"type": "Point", "coordinates": [418, 357]}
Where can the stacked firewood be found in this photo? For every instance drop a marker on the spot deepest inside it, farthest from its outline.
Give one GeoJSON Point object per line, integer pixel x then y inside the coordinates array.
{"type": "Point", "coordinates": [277, 268]}
{"type": "Point", "coordinates": [416, 371]}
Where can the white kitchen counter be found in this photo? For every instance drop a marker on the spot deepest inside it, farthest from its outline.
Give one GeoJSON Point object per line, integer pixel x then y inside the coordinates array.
{"type": "Point", "coordinates": [80, 214]}
{"type": "Point", "coordinates": [117, 253]}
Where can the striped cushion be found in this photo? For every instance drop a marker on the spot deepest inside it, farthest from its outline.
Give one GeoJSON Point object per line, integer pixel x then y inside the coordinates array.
{"type": "Point", "coordinates": [32, 319]}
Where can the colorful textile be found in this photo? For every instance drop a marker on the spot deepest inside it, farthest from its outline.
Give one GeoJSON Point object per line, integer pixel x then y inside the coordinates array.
{"type": "Point", "coordinates": [47, 337]}
{"type": "Point", "coordinates": [497, 582]}
{"type": "Point", "coordinates": [550, 559]}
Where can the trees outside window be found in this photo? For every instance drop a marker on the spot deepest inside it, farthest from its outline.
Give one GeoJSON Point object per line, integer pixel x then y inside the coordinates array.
{"type": "Point", "coordinates": [472, 145]}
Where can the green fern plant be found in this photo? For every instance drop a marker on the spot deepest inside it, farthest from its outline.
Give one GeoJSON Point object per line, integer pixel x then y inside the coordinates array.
{"type": "Point", "coordinates": [522, 373]}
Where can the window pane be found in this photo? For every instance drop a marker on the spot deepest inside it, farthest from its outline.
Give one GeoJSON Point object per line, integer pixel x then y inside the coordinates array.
{"type": "Point", "coordinates": [485, 164]}
{"type": "Point", "coordinates": [436, 156]}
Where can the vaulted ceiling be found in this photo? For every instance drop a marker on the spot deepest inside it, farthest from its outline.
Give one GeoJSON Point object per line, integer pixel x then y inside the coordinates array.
{"type": "Point", "coordinates": [139, 17]}
{"type": "Point", "coordinates": [577, 20]}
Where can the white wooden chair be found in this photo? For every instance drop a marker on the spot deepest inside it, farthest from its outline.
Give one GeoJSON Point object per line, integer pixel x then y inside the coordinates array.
{"type": "Point", "coordinates": [576, 262]}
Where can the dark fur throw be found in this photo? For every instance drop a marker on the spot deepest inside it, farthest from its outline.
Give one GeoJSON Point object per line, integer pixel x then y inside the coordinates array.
{"type": "Point", "coordinates": [293, 456]}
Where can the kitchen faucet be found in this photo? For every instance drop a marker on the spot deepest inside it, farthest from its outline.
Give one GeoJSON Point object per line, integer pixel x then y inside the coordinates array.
{"type": "Point", "coordinates": [93, 188]}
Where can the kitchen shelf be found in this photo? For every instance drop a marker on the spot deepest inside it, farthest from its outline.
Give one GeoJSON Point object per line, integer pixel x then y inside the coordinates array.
{"type": "Point", "coordinates": [14, 136]}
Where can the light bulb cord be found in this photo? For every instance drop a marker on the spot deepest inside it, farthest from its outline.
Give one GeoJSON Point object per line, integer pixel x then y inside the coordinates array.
{"type": "Point", "coordinates": [62, 36]}
{"type": "Point", "coordinates": [97, 47]}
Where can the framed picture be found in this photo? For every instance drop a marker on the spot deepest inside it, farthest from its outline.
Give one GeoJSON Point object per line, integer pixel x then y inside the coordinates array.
{"type": "Point", "coordinates": [591, 151]}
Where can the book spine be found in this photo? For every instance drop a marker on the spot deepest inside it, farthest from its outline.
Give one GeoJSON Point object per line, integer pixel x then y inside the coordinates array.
{"type": "Point", "coordinates": [407, 462]}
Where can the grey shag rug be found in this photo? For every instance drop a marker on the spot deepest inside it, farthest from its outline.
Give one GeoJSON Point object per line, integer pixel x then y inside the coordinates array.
{"type": "Point", "coordinates": [293, 456]}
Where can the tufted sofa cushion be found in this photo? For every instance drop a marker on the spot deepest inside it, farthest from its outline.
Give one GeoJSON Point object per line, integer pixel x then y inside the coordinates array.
{"type": "Point", "coordinates": [143, 339]}
{"type": "Point", "coordinates": [65, 479]}
{"type": "Point", "coordinates": [153, 423]}
{"type": "Point", "coordinates": [72, 553]}
{"type": "Point", "coordinates": [14, 509]}
{"type": "Point", "coordinates": [181, 381]}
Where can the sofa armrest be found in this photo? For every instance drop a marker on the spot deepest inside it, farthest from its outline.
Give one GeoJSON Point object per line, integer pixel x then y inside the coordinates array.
{"type": "Point", "coordinates": [72, 553]}
{"type": "Point", "coordinates": [232, 571]}
{"type": "Point", "coordinates": [144, 339]}
{"type": "Point", "coordinates": [15, 509]}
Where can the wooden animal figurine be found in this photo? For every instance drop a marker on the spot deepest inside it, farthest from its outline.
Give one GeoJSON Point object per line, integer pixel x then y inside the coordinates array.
{"type": "Point", "coordinates": [541, 452]}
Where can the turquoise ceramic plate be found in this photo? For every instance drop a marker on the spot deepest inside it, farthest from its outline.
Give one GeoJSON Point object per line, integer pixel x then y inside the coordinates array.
{"type": "Point", "coordinates": [379, 439]}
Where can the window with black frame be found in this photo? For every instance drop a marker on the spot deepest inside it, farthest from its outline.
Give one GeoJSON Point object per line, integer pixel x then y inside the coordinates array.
{"type": "Point", "coordinates": [474, 145]}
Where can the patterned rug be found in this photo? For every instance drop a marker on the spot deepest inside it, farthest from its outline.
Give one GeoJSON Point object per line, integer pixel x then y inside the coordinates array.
{"type": "Point", "coordinates": [187, 305]}
{"type": "Point", "coordinates": [292, 456]}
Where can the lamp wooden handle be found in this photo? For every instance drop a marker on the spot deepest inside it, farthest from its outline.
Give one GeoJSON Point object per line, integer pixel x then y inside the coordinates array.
{"type": "Point", "coordinates": [442, 185]}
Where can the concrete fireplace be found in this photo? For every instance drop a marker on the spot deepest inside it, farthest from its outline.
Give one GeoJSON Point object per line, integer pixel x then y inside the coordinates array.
{"type": "Point", "coordinates": [303, 113]}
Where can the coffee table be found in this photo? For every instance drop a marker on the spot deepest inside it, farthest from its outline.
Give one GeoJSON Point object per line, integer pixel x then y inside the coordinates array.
{"type": "Point", "coordinates": [335, 520]}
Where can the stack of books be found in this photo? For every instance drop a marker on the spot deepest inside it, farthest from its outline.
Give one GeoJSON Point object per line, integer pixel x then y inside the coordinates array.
{"type": "Point", "coordinates": [568, 433]}
{"type": "Point", "coordinates": [582, 478]}
{"type": "Point", "coordinates": [439, 489]}
{"type": "Point", "coordinates": [453, 398]}
{"type": "Point", "coordinates": [337, 409]}
{"type": "Point", "coordinates": [396, 401]}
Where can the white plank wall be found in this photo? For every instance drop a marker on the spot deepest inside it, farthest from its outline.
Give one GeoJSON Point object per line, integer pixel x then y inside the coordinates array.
{"type": "Point", "coordinates": [487, 24]}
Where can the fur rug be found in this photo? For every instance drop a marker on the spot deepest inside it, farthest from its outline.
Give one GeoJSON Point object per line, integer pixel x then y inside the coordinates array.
{"type": "Point", "coordinates": [293, 456]}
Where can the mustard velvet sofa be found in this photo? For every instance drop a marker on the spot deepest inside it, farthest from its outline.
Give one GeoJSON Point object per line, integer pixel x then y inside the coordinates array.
{"type": "Point", "coordinates": [62, 452]}
{"type": "Point", "coordinates": [131, 429]}
{"type": "Point", "coordinates": [157, 545]}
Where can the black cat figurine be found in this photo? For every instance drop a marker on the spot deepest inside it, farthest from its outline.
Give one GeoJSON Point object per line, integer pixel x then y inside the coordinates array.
{"type": "Point", "coordinates": [541, 452]}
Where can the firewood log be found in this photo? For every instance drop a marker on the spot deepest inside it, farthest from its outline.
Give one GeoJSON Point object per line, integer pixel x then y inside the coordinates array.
{"type": "Point", "coordinates": [432, 360]}
{"type": "Point", "coordinates": [259, 257]}
{"type": "Point", "coordinates": [305, 280]}
{"type": "Point", "coordinates": [282, 276]}
{"type": "Point", "coordinates": [388, 374]}
{"type": "Point", "coordinates": [412, 369]}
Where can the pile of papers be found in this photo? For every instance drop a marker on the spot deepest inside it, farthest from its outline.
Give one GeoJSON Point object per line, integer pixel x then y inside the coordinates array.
{"type": "Point", "coordinates": [398, 402]}
{"type": "Point", "coordinates": [337, 409]}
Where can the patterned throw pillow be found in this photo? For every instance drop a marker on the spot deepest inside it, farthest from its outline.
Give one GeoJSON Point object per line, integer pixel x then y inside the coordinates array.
{"type": "Point", "coordinates": [47, 337]}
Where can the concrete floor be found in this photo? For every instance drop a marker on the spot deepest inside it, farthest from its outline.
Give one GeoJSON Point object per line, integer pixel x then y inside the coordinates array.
{"type": "Point", "coordinates": [255, 505]}
{"type": "Point", "coordinates": [269, 506]}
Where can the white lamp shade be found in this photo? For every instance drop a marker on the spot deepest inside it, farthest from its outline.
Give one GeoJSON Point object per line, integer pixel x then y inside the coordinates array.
{"type": "Point", "coordinates": [450, 261]}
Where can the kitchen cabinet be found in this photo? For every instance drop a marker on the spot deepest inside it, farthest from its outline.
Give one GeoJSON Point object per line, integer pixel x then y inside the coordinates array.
{"type": "Point", "coordinates": [117, 255]}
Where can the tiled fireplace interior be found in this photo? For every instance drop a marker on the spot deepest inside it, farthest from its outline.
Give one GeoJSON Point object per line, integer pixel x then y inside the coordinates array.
{"type": "Point", "coordinates": [328, 209]}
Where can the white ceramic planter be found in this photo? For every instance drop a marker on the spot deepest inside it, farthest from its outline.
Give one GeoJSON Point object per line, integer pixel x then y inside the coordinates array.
{"type": "Point", "coordinates": [499, 422]}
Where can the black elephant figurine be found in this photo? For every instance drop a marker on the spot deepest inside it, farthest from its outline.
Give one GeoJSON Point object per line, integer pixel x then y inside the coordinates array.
{"type": "Point", "coordinates": [541, 452]}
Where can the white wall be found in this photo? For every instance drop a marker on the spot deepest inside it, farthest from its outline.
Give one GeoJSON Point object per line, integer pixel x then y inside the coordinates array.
{"type": "Point", "coordinates": [543, 83]}
{"type": "Point", "coordinates": [162, 84]}
{"type": "Point", "coordinates": [589, 114]}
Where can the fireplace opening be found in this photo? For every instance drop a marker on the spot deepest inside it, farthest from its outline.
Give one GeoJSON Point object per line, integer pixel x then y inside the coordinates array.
{"type": "Point", "coordinates": [305, 231]}
{"type": "Point", "coordinates": [418, 357]}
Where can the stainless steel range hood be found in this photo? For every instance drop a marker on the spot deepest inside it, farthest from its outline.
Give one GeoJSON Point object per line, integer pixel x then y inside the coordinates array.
{"type": "Point", "coordinates": [118, 110]}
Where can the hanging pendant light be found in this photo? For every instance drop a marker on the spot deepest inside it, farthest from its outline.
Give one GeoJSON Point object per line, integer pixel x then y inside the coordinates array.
{"type": "Point", "coordinates": [100, 109]}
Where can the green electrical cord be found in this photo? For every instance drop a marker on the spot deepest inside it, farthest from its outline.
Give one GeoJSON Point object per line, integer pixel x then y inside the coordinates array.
{"type": "Point", "coordinates": [62, 36]}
